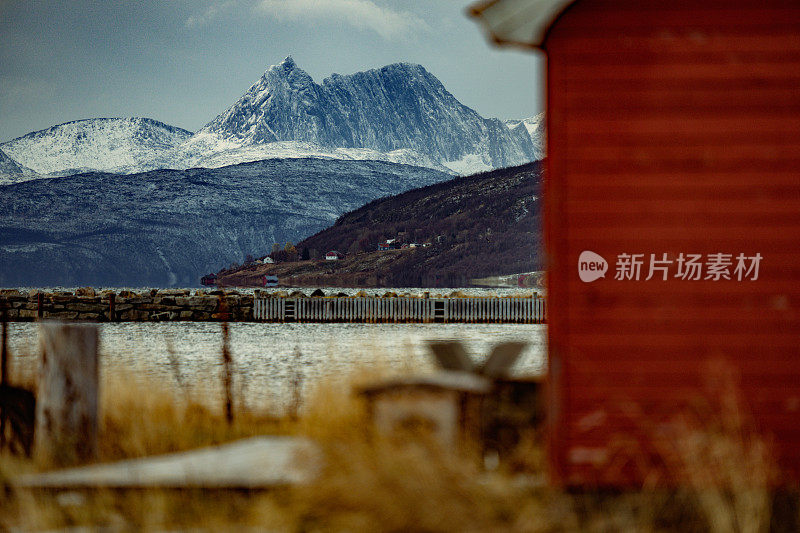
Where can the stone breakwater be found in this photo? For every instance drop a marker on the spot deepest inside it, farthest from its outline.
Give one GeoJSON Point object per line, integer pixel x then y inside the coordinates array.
{"type": "Point", "coordinates": [127, 306]}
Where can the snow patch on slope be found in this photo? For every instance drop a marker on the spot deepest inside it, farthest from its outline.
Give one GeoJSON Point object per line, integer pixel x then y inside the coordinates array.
{"type": "Point", "coordinates": [210, 150]}
{"type": "Point", "coordinates": [111, 144]}
{"type": "Point", "coordinates": [11, 171]}
{"type": "Point", "coordinates": [535, 126]}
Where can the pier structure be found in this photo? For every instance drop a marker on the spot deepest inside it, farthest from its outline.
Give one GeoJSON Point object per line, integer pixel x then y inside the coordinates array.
{"type": "Point", "coordinates": [184, 305]}
{"type": "Point", "coordinates": [515, 310]}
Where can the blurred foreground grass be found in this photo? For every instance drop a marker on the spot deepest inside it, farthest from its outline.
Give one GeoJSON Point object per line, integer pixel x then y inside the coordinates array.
{"type": "Point", "coordinates": [371, 483]}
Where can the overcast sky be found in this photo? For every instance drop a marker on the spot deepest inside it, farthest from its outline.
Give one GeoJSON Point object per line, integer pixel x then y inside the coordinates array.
{"type": "Point", "coordinates": [183, 62]}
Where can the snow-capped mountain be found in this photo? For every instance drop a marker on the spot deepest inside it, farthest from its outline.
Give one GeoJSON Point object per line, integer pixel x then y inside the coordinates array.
{"type": "Point", "coordinates": [400, 113]}
{"type": "Point", "coordinates": [173, 226]}
{"type": "Point", "coordinates": [107, 144]}
{"type": "Point", "coordinates": [535, 126]}
{"type": "Point", "coordinates": [399, 106]}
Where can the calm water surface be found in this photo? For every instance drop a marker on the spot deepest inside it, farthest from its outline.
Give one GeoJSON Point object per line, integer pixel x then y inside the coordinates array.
{"type": "Point", "coordinates": [268, 356]}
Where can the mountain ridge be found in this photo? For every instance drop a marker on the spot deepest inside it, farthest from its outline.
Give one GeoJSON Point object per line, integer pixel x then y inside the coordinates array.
{"type": "Point", "coordinates": [398, 113]}
{"type": "Point", "coordinates": [400, 105]}
{"type": "Point", "coordinates": [169, 227]}
{"type": "Point", "coordinates": [110, 144]}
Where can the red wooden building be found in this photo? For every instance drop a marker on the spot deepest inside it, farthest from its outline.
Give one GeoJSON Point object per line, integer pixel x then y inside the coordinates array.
{"type": "Point", "coordinates": [674, 156]}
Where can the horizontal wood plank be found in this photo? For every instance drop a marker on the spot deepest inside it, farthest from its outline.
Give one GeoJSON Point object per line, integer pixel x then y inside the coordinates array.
{"type": "Point", "coordinates": [678, 43]}
{"type": "Point", "coordinates": [665, 181]}
{"type": "Point", "coordinates": [587, 98]}
{"type": "Point", "coordinates": [647, 369]}
{"type": "Point", "coordinates": [683, 125]}
{"type": "Point", "coordinates": [598, 20]}
{"type": "Point", "coordinates": [743, 206]}
{"type": "Point", "coordinates": [676, 220]}
{"type": "Point", "coordinates": [781, 294]}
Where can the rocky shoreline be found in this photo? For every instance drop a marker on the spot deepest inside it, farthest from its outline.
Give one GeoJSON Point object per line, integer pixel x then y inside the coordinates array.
{"type": "Point", "coordinates": [127, 306]}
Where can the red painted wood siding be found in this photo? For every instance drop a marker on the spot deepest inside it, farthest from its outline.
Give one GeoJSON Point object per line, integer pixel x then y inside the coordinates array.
{"type": "Point", "coordinates": [672, 127]}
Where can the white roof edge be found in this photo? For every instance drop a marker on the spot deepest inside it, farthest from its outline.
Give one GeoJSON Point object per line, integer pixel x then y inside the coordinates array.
{"type": "Point", "coordinates": [518, 22]}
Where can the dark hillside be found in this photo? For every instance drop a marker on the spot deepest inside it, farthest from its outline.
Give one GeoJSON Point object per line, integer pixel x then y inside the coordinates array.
{"type": "Point", "coordinates": [170, 227]}
{"type": "Point", "coordinates": [481, 225]}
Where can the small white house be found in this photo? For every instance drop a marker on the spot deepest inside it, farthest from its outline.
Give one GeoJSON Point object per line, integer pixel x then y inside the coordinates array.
{"type": "Point", "coordinates": [268, 261]}
{"type": "Point", "coordinates": [333, 256]}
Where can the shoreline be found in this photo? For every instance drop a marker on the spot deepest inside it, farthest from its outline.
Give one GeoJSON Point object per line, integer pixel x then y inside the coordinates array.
{"type": "Point", "coordinates": [89, 305]}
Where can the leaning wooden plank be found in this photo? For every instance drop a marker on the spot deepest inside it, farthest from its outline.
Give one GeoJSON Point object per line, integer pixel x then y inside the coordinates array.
{"type": "Point", "coordinates": [451, 380]}
{"type": "Point", "coordinates": [255, 463]}
{"type": "Point", "coordinates": [502, 358]}
{"type": "Point", "coordinates": [450, 355]}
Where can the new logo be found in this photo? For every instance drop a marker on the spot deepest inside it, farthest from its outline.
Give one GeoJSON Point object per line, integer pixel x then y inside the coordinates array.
{"type": "Point", "coordinates": [591, 266]}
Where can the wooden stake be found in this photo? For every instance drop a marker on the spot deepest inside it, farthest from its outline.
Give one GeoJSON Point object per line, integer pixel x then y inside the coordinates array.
{"type": "Point", "coordinates": [3, 375]}
{"type": "Point", "coordinates": [4, 348]}
{"type": "Point", "coordinates": [66, 408]}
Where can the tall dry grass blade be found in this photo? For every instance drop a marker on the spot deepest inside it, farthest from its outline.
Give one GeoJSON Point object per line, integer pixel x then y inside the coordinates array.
{"type": "Point", "coordinates": [175, 366]}
{"type": "Point", "coordinates": [227, 360]}
{"type": "Point", "coordinates": [296, 386]}
{"type": "Point", "coordinates": [722, 459]}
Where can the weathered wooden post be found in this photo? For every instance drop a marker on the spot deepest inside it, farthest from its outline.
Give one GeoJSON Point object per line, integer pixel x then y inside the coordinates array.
{"type": "Point", "coordinates": [66, 408]}
{"type": "Point", "coordinates": [40, 306]}
{"type": "Point", "coordinates": [4, 345]}
{"type": "Point", "coordinates": [3, 373]}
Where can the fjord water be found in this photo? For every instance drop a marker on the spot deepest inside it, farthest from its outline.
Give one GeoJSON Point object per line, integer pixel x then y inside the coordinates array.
{"type": "Point", "coordinates": [268, 357]}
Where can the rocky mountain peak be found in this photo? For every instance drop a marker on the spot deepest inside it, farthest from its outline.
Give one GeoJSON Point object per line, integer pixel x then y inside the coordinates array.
{"type": "Point", "coordinates": [400, 106]}
{"type": "Point", "coordinates": [288, 63]}
{"type": "Point", "coordinates": [287, 70]}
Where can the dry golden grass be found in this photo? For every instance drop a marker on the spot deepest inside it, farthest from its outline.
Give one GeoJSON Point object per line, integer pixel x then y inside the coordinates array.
{"type": "Point", "coordinates": [726, 465]}
{"type": "Point", "coordinates": [139, 419]}
{"type": "Point", "coordinates": [146, 418]}
{"type": "Point", "coordinates": [373, 483]}
{"type": "Point", "coordinates": [409, 483]}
